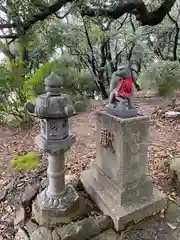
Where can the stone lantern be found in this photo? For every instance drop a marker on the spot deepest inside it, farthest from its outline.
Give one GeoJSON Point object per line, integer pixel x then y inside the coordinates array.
{"type": "Point", "coordinates": [53, 204]}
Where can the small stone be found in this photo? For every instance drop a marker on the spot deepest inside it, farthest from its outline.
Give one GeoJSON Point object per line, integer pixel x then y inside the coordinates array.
{"type": "Point", "coordinates": [41, 233]}
{"type": "Point", "coordinates": [69, 178]}
{"type": "Point", "coordinates": [55, 236]}
{"type": "Point", "coordinates": [2, 195]}
{"type": "Point", "coordinates": [104, 222]}
{"type": "Point", "coordinates": [107, 235]}
{"type": "Point", "coordinates": [83, 229]}
{"type": "Point", "coordinates": [31, 226]}
{"type": "Point", "coordinates": [9, 209]}
{"type": "Point", "coordinates": [28, 195]}
{"type": "Point", "coordinates": [20, 184]}
{"type": "Point", "coordinates": [43, 184]}
{"type": "Point", "coordinates": [173, 227]}
{"type": "Point", "coordinates": [4, 217]}
{"type": "Point", "coordinates": [20, 217]}
{"type": "Point", "coordinates": [172, 114]}
{"type": "Point", "coordinates": [10, 228]}
{"type": "Point", "coordinates": [21, 235]}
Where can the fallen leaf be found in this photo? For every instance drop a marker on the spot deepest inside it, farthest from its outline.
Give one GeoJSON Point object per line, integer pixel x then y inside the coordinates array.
{"type": "Point", "coordinates": [173, 227]}
{"type": "Point", "coordinates": [171, 199]}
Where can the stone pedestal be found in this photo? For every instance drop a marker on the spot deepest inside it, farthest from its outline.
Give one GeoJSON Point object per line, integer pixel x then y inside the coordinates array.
{"type": "Point", "coordinates": [58, 203]}
{"type": "Point", "coordinates": [118, 182]}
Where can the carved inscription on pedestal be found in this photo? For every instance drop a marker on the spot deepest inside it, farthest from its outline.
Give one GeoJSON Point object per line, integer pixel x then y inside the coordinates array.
{"type": "Point", "coordinates": [107, 139]}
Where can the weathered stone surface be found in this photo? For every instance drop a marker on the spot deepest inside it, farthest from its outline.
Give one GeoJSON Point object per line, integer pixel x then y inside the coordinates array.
{"type": "Point", "coordinates": [118, 183]}
{"type": "Point", "coordinates": [31, 226]}
{"type": "Point", "coordinates": [107, 235]}
{"type": "Point", "coordinates": [120, 110]}
{"type": "Point", "coordinates": [20, 217]}
{"type": "Point", "coordinates": [28, 195]}
{"type": "Point", "coordinates": [49, 218]}
{"type": "Point", "coordinates": [43, 184]}
{"type": "Point", "coordinates": [104, 222]}
{"type": "Point", "coordinates": [55, 236]}
{"type": "Point", "coordinates": [107, 197]}
{"type": "Point", "coordinates": [130, 142]}
{"type": "Point", "coordinates": [2, 195]}
{"type": "Point", "coordinates": [57, 202]}
{"type": "Point", "coordinates": [74, 181]}
{"type": "Point", "coordinates": [50, 145]}
{"type": "Point", "coordinates": [21, 235]}
{"type": "Point", "coordinates": [82, 208]}
{"type": "Point", "coordinates": [149, 229]}
{"type": "Point", "coordinates": [41, 233]}
{"type": "Point", "coordinates": [84, 229]}
{"type": "Point", "coordinates": [173, 219]}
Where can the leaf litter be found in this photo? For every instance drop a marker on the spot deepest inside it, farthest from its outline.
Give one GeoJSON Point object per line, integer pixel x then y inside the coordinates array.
{"type": "Point", "coordinates": [163, 146]}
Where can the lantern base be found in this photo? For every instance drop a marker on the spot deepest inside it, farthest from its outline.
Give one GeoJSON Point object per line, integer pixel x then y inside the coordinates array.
{"type": "Point", "coordinates": [48, 211]}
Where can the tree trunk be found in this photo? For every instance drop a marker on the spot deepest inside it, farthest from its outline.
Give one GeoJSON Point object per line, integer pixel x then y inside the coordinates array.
{"type": "Point", "coordinates": [103, 90]}
{"type": "Point", "coordinates": [134, 81]}
{"type": "Point", "coordinates": [136, 85]}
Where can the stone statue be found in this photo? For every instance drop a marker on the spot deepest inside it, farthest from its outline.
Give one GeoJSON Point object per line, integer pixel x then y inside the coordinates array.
{"type": "Point", "coordinates": [120, 103]}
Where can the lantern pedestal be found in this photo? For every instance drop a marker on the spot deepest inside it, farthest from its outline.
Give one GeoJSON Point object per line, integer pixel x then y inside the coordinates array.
{"type": "Point", "coordinates": [49, 211]}
{"type": "Point", "coordinates": [58, 203]}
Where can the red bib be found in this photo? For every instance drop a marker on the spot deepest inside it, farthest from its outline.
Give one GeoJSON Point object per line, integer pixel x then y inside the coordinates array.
{"type": "Point", "coordinates": [124, 88]}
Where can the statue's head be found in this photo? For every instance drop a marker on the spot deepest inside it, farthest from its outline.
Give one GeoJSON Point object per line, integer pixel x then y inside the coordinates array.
{"type": "Point", "coordinates": [124, 70]}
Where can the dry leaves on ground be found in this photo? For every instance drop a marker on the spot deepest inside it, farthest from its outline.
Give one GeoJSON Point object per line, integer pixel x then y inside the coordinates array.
{"type": "Point", "coordinates": [164, 144]}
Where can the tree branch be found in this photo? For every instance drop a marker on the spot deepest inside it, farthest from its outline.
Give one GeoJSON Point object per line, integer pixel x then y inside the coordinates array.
{"type": "Point", "coordinates": [7, 25]}
{"type": "Point", "coordinates": [137, 7]}
{"type": "Point", "coordinates": [93, 59]}
{"type": "Point", "coordinates": [9, 36]}
{"type": "Point", "coordinates": [122, 23]}
{"type": "Point", "coordinates": [6, 51]}
{"type": "Point", "coordinates": [24, 26]}
{"type": "Point", "coordinates": [176, 35]}
{"type": "Point", "coordinates": [43, 15]}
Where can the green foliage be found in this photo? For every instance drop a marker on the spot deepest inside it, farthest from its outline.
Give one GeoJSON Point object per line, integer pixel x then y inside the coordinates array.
{"type": "Point", "coordinates": [34, 84]}
{"type": "Point", "coordinates": [12, 94]}
{"type": "Point", "coordinates": [163, 76]}
{"type": "Point", "coordinates": [77, 83]}
{"type": "Point", "coordinates": [80, 106]}
{"type": "Point", "coordinates": [74, 82]}
{"type": "Point", "coordinates": [25, 162]}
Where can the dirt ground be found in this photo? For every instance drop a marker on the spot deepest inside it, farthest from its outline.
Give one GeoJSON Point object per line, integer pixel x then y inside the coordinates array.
{"type": "Point", "coordinates": [164, 144]}
{"type": "Point", "coordinates": [164, 139]}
